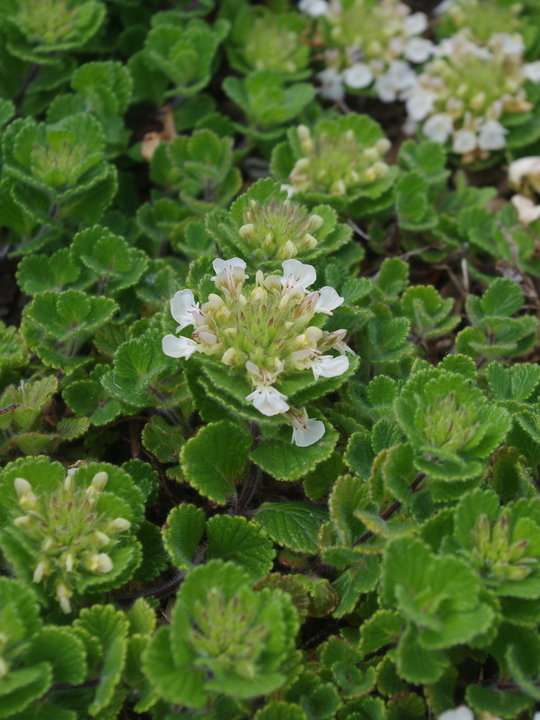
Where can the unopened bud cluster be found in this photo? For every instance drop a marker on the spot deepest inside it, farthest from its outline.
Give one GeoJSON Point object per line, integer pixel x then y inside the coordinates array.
{"type": "Point", "coordinates": [482, 18]}
{"type": "Point", "coordinates": [372, 42]}
{"type": "Point", "coordinates": [279, 230]}
{"type": "Point", "coordinates": [337, 164]}
{"type": "Point", "coordinates": [263, 331]}
{"type": "Point", "coordinates": [273, 43]}
{"type": "Point", "coordinates": [498, 558]}
{"type": "Point", "coordinates": [465, 93]}
{"type": "Point", "coordinates": [69, 538]}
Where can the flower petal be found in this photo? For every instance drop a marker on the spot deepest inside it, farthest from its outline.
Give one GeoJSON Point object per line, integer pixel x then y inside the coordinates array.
{"type": "Point", "coordinates": [532, 71]}
{"type": "Point", "coordinates": [314, 430]}
{"type": "Point", "coordinates": [297, 275]}
{"type": "Point", "coordinates": [179, 347]}
{"type": "Point", "coordinates": [438, 127]}
{"type": "Point", "coordinates": [181, 305]}
{"type": "Point", "coordinates": [328, 366]}
{"type": "Point", "coordinates": [315, 8]}
{"type": "Point", "coordinates": [219, 265]}
{"type": "Point", "coordinates": [268, 401]}
{"type": "Point", "coordinates": [418, 50]}
{"type": "Point", "coordinates": [416, 23]}
{"type": "Point", "coordinates": [328, 300]}
{"type": "Point", "coordinates": [358, 75]}
{"type": "Point", "coordinates": [492, 136]}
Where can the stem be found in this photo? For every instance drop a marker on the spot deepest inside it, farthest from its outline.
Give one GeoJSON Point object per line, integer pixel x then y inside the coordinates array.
{"type": "Point", "coordinates": [254, 478]}
{"type": "Point", "coordinates": [29, 80]}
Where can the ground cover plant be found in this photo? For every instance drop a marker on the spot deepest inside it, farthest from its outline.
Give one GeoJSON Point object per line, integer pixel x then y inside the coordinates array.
{"type": "Point", "coordinates": [269, 379]}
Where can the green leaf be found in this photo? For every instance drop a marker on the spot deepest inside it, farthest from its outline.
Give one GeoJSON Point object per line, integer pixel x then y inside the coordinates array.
{"type": "Point", "coordinates": [20, 687]}
{"type": "Point", "coordinates": [234, 538]}
{"type": "Point", "coordinates": [428, 159]}
{"type": "Point", "coordinates": [63, 650]}
{"type": "Point", "coordinates": [279, 710]}
{"type": "Point", "coordinates": [294, 525]}
{"type": "Point", "coordinates": [382, 628]}
{"type": "Point", "coordinates": [361, 578]}
{"type": "Point", "coordinates": [496, 702]}
{"type": "Point", "coordinates": [285, 461]}
{"type": "Point", "coordinates": [215, 458]}
{"type": "Point", "coordinates": [416, 664]}
{"type": "Point", "coordinates": [412, 205]}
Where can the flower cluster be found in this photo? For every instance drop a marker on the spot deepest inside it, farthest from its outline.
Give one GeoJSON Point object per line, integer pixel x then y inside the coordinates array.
{"type": "Point", "coordinates": [264, 331]}
{"type": "Point", "coordinates": [481, 18]}
{"type": "Point", "coordinates": [284, 228]}
{"type": "Point", "coordinates": [337, 164]}
{"type": "Point", "coordinates": [464, 94]}
{"type": "Point", "coordinates": [370, 43]}
{"type": "Point", "coordinates": [273, 42]}
{"type": "Point", "coordinates": [70, 538]}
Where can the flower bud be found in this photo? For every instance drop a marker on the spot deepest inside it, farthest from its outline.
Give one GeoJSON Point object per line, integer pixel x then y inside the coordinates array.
{"type": "Point", "coordinates": [315, 222]}
{"type": "Point", "coordinates": [101, 537]}
{"type": "Point", "coordinates": [27, 498]}
{"type": "Point", "coordinates": [62, 595]}
{"type": "Point", "coordinates": [289, 250]}
{"type": "Point", "coordinates": [382, 146]}
{"type": "Point", "coordinates": [232, 356]}
{"type": "Point", "coordinates": [100, 563]}
{"type": "Point", "coordinates": [119, 524]}
{"type": "Point", "coordinates": [21, 521]}
{"type": "Point", "coordinates": [40, 571]}
{"type": "Point", "coordinates": [68, 562]}
{"type": "Point", "coordinates": [247, 232]}
{"type": "Point", "coordinates": [370, 155]}
{"type": "Point", "coordinates": [4, 668]}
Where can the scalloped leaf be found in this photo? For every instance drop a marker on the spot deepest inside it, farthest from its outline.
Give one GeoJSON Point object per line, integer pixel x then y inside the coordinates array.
{"type": "Point", "coordinates": [236, 539]}
{"type": "Point", "coordinates": [182, 533]}
{"type": "Point", "coordinates": [215, 458]}
{"type": "Point", "coordinates": [294, 525]}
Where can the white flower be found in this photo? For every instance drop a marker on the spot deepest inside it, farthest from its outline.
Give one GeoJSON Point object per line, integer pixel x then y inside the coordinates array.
{"type": "Point", "coordinates": [532, 71]}
{"type": "Point", "coordinates": [289, 189]}
{"type": "Point", "coordinates": [328, 300]}
{"type": "Point", "coordinates": [418, 50]}
{"type": "Point", "coordinates": [399, 78]}
{"type": "Point", "coordinates": [315, 8]}
{"type": "Point", "coordinates": [491, 136]}
{"type": "Point", "coordinates": [438, 127]}
{"type": "Point", "coordinates": [460, 713]}
{"type": "Point", "coordinates": [419, 103]}
{"type": "Point", "coordinates": [525, 167]}
{"type": "Point", "coordinates": [465, 141]}
{"type": "Point", "coordinates": [509, 44]}
{"type": "Point", "coordinates": [305, 430]}
{"type": "Point", "coordinates": [416, 23]}
{"type": "Point", "coordinates": [220, 265]}
{"type": "Point", "coordinates": [328, 366]}
{"type": "Point", "coordinates": [526, 210]}
{"type": "Point", "coordinates": [358, 75]}
{"type": "Point", "coordinates": [297, 275]}
{"type": "Point", "coordinates": [181, 305]}
{"type": "Point", "coordinates": [332, 84]}
{"type": "Point", "coordinates": [268, 401]}
{"type": "Point", "coordinates": [179, 347]}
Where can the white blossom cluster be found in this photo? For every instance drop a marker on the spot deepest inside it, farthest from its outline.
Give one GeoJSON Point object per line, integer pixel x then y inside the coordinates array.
{"type": "Point", "coordinates": [462, 94]}
{"type": "Point", "coordinates": [371, 44]}
{"type": "Point", "coordinates": [264, 331]}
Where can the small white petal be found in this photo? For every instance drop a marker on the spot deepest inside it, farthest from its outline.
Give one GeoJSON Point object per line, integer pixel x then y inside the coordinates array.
{"type": "Point", "coordinates": [532, 71]}
{"type": "Point", "coordinates": [181, 304]}
{"type": "Point", "coordinates": [268, 401]}
{"type": "Point", "coordinates": [460, 713]}
{"type": "Point", "coordinates": [509, 44]}
{"type": "Point", "coordinates": [297, 275]}
{"type": "Point", "coordinates": [219, 265]}
{"type": "Point", "coordinates": [438, 127]}
{"type": "Point", "coordinates": [358, 75]}
{"type": "Point", "coordinates": [315, 8]}
{"type": "Point", "coordinates": [328, 300]}
{"type": "Point", "coordinates": [492, 136]}
{"type": "Point", "coordinates": [465, 141]}
{"type": "Point", "coordinates": [314, 430]}
{"type": "Point", "coordinates": [526, 210]}
{"type": "Point", "coordinates": [179, 347]}
{"type": "Point", "coordinates": [418, 50]}
{"type": "Point", "coordinates": [332, 84]}
{"type": "Point", "coordinates": [416, 23]}
{"type": "Point", "coordinates": [523, 167]}
{"type": "Point", "coordinates": [289, 189]}
{"type": "Point", "coordinates": [419, 103]}
{"type": "Point", "coordinates": [328, 366]}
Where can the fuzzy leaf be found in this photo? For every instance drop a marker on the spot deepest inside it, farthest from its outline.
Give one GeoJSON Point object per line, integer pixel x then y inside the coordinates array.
{"type": "Point", "coordinates": [234, 538]}
{"type": "Point", "coordinates": [214, 459]}
{"type": "Point", "coordinates": [294, 525]}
